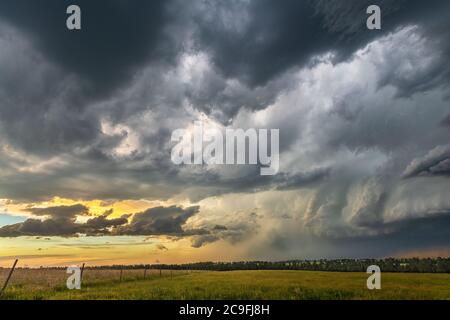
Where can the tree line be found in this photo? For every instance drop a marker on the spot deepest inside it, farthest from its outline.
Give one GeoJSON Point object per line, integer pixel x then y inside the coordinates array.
{"type": "Point", "coordinates": [429, 265]}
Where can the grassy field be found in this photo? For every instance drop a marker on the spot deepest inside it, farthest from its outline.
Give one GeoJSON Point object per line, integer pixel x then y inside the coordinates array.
{"type": "Point", "coordinates": [253, 285]}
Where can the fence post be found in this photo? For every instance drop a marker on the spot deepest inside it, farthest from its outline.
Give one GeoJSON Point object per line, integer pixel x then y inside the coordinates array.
{"type": "Point", "coordinates": [121, 272]}
{"type": "Point", "coordinates": [9, 276]}
{"type": "Point", "coordinates": [145, 272]}
{"type": "Point", "coordinates": [81, 273]}
{"type": "Point", "coordinates": [160, 273]}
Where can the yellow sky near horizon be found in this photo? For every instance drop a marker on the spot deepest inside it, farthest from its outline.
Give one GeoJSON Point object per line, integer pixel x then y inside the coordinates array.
{"type": "Point", "coordinates": [55, 251]}
{"type": "Point", "coordinates": [36, 251]}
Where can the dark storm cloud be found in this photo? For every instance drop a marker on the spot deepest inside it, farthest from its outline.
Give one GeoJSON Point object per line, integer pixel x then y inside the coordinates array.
{"type": "Point", "coordinates": [34, 227]}
{"type": "Point", "coordinates": [254, 44]}
{"type": "Point", "coordinates": [159, 221]}
{"type": "Point", "coordinates": [273, 36]}
{"type": "Point", "coordinates": [116, 36]}
{"type": "Point", "coordinates": [384, 240]}
{"type": "Point", "coordinates": [61, 212]}
{"type": "Point", "coordinates": [138, 66]}
{"type": "Point", "coordinates": [446, 122]}
{"type": "Point", "coordinates": [264, 39]}
{"type": "Point", "coordinates": [399, 237]}
{"type": "Point", "coordinates": [101, 222]}
{"type": "Point", "coordinates": [49, 85]}
{"type": "Point", "coordinates": [200, 241]}
{"type": "Point", "coordinates": [37, 113]}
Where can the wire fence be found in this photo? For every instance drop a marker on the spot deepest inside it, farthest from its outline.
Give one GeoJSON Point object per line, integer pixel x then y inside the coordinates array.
{"type": "Point", "coordinates": [55, 278]}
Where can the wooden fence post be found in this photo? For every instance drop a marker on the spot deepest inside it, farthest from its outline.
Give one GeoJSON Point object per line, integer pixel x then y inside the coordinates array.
{"type": "Point", "coordinates": [121, 272]}
{"type": "Point", "coordinates": [160, 273]}
{"type": "Point", "coordinates": [81, 273]}
{"type": "Point", "coordinates": [9, 277]}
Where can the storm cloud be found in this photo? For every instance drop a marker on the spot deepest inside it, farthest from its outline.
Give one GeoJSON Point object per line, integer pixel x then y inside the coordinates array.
{"type": "Point", "coordinates": [436, 162]}
{"type": "Point", "coordinates": [363, 118]}
{"type": "Point", "coordinates": [159, 221]}
{"type": "Point", "coordinates": [115, 40]}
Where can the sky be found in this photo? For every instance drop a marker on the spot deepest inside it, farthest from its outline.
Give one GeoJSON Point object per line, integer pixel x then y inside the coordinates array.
{"type": "Point", "coordinates": [86, 119]}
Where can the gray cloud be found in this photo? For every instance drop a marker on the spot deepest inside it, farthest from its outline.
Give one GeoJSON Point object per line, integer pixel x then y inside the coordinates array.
{"type": "Point", "coordinates": [258, 40]}
{"type": "Point", "coordinates": [61, 221]}
{"type": "Point", "coordinates": [102, 223]}
{"type": "Point", "coordinates": [446, 121]}
{"type": "Point", "coordinates": [89, 115]}
{"type": "Point", "coordinates": [61, 212]}
{"type": "Point", "coordinates": [110, 45]}
{"type": "Point", "coordinates": [159, 221]}
{"type": "Point", "coordinates": [436, 162]}
{"type": "Point", "coordinates": [33, 227]}
{"type": "Point", "coordinates": [237, 227]}
{"type": "Point", "coordinates": [202, 240]}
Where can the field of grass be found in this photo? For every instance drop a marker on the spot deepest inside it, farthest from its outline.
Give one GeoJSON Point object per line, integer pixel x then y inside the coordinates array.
{"type": "Point", "coordinates": [252, 285]}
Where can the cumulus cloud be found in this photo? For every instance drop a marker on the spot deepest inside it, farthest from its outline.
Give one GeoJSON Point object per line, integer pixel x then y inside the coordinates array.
{"type": "Point", "coordinates": [61, 212]}
{"type": "Point", "coordinates": [61, 221]}
{"type": "Point", "coordinates": [103, 223]}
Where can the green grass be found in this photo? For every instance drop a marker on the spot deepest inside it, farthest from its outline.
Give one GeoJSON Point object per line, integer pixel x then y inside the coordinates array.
{"type": "Point", "coordinates": [252, 285]}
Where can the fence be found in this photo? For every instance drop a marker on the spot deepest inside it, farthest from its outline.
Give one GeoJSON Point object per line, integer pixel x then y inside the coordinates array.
{"type": "Point", "coordinates": [48, 278]}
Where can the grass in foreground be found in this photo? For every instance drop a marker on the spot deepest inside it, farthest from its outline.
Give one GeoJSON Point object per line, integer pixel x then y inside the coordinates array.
{"type": "Point", "coordinates": [252, 285]}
